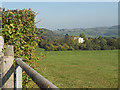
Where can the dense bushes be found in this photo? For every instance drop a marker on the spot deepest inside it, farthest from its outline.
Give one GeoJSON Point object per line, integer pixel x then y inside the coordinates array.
{"type": "Point", "coordinates": [19, 30]}
{"type": "Point", "coordinates": [68, 43]}
{"type": "Point", "coordinates": [101, 44]}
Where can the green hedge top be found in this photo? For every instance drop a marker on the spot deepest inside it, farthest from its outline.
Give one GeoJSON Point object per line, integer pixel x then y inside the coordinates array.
{"type": "Point", "coordinates": [18, 29]}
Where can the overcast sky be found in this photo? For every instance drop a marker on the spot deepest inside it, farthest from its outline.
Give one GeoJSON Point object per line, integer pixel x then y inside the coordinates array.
{"type": "Point", "coordinates": [59, 15]}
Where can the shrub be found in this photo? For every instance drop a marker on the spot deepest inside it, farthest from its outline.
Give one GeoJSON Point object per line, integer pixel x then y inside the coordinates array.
{"type": "Point", "coordinates": [19, 30]}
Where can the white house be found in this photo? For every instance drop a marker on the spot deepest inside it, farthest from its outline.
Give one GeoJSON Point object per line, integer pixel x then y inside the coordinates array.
{"type": "Point", "coordinates": [80, 40]}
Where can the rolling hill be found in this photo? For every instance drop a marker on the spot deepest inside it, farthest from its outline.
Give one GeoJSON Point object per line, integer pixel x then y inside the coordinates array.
{"type": "Point", "coordinates": [90, 32]}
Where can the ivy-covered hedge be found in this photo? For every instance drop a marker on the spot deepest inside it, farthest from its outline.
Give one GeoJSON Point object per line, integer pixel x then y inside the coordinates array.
{"type": "Point", "coordinates": [18, 29]}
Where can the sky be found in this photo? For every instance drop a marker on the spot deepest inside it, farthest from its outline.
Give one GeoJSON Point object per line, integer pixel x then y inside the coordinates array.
{"type": "Point", "coordinates": [60, 0]}
{"type": "Point", "coordinates": [68, 15]}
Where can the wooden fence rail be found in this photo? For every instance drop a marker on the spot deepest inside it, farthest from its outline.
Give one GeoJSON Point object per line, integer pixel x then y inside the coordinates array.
{"type": "Point", "coordinates": [7, 70]}
{"type": "Point", "coordinates": [35, 76]}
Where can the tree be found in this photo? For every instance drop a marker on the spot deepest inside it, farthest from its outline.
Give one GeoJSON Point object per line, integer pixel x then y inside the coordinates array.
{"type": "Point", "coordinates": [71, 48]}
{"type": "Point", "coordinates": [96, 47]}
{"type": "Point", "coordinates": [72, 42]}
{"type": "Point", "coordinates": [42, 43]}
{"type": "Point", "coordinates": [76, 46]}
{"type": "Point", "coordinates": [100, 37]}
{"type": "Point", "coordinates": [65, 46]}
{"type": "Point", "coordinates": [82, 46]}
{"type": "Point", "coordinates": [66, 38]}
{"type": "Point", "coordinates": [89, 44]}
{"type": "Point", "coordinates": [82, 35]}
{"type": "Point", "coordinates": [96, 41]}
{"type": "Point", "coordinates": [118, 43]}
{"type": "Point", "coordinates": [113, 43]}
{"type": "Point", "coordinates": [103, 43]}
{"type": "Point", "coordinates": [107, 47]}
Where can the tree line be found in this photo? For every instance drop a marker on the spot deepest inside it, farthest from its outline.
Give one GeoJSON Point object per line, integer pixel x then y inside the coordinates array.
{"type": "Point", "coordinates": [69, 43]}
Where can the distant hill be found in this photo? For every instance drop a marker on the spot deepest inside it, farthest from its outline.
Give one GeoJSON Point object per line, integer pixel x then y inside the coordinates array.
{"type": "Point", "coordinates": [47, 33]}
{"type": "Point", "coordinates": [90, 32]}
{"type": "Point", "coordinates": [114, 27]}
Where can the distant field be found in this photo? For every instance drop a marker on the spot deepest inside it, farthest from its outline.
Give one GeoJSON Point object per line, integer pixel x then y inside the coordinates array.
{"type": "Point", "coordinates": [79, 69]}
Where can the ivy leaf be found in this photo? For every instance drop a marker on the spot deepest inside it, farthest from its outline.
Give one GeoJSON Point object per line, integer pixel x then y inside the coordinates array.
{"type": "Point", "coordinates": [12, 25]}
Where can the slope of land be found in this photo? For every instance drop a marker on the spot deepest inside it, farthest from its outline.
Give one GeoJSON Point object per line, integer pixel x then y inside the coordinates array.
{"type": "Point", "coordinates": [49, 34]}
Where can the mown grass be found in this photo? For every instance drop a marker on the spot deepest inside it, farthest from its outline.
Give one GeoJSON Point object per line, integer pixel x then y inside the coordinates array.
{"type": "Point", "coordinates": [79, 69]}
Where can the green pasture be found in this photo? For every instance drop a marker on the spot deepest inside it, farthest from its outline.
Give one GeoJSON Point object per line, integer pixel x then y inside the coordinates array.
{"type": "Point", "coordinates": [79, 69]}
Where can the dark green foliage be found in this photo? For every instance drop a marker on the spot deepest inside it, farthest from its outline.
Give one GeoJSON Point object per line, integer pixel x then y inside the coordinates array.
{"type": "Point", "coordinates": [118, 43]}
{"type": "Point", "coordinates": [61, 44]}
{"type": "Point", "coordinates": [89, 45]}
{"type": "Point", "coordinates": [97, 47]}
{"type": "Point", "coordinates": [103, 43]}
{"type": "Point", "coordinates": [66, 38]}
{"type": "Point", "coordinates": [47, 33]}
{"type": "Point", "coordinates": [82, 35]}
{"type": "Point", "coordinates": [58, 42]}
{"type": "Point", "coordinates": [68, 43]}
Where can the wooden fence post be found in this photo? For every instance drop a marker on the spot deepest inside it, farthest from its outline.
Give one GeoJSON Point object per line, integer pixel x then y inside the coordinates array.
{"type": "Point", "coordinates": [8, 67]}
{"type": "Point", "coordinates": [18, 76]}
{"type": "Point", "coordinates": [1, 70]}
{"type": "Point", "coordinates": [1, 55]}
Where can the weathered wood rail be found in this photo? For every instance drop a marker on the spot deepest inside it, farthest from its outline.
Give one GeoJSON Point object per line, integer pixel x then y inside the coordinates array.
{"type": "Point", "coordinates": [8, 69]}
{"type": "Point", "coordinates": [34, 75]}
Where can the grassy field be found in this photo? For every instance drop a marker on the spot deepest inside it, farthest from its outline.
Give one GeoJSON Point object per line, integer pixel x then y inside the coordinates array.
{"type": "Point", "coordinates": [79, 69]}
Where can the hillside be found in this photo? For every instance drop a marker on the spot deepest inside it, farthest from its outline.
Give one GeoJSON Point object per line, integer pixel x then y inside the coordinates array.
{"type": "Point", "coordinates": [90, 32]}
{"type": "Point", "coordinates": [50, 34]}
{"type": "Point", "coordinates": [47, 33]}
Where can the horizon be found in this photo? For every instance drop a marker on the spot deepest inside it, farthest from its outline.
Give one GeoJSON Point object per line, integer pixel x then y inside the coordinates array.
{"type": "Point", "coordinates": [81, 28]}
{"type": "Point", "coordinates": [68, 15]}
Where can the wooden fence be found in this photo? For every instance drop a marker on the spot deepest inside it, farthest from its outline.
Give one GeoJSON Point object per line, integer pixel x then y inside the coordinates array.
{"type": "Point", "coordinates": [7, 70]}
